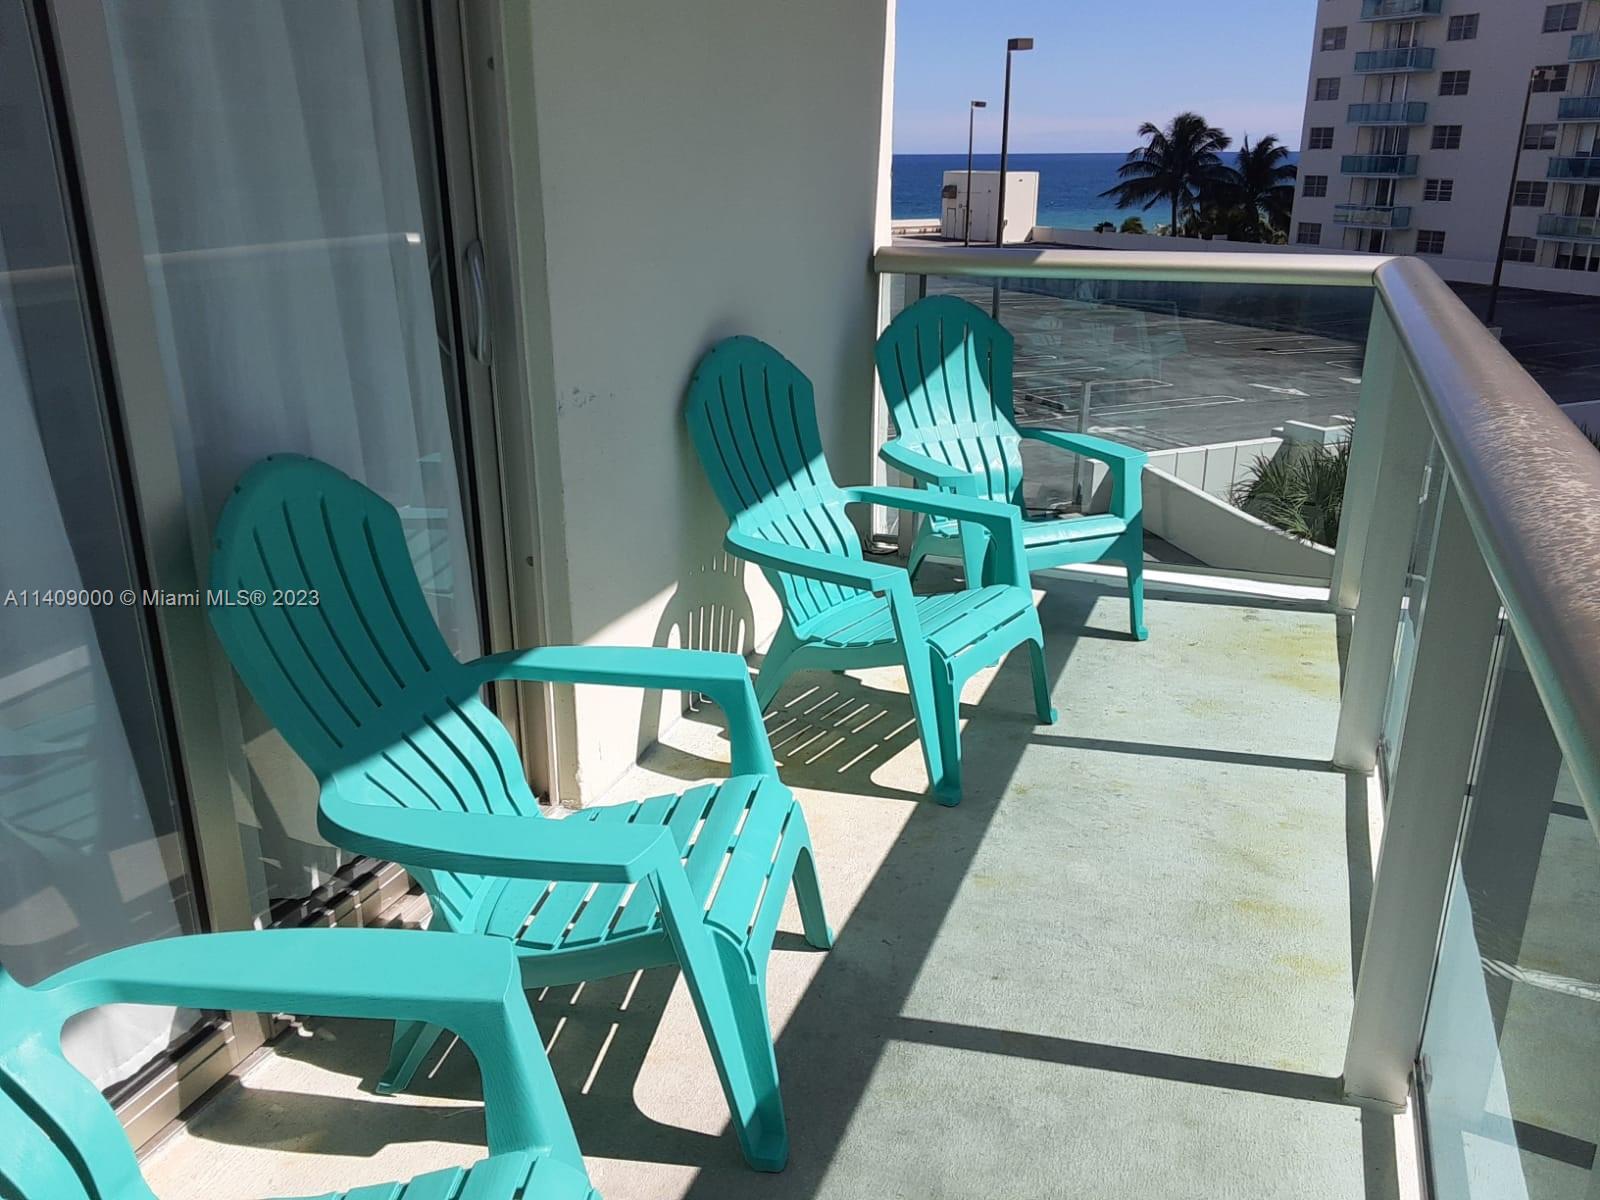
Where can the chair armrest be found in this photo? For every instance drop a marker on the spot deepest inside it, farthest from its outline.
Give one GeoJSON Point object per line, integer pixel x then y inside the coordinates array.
{"type": "Point", "coordinates": [469, 985]}
{"type": "Point", "coordinates": [813, 564]}
{"type": "Point", "coordinates": [517, 847]}
{"type": "Point", "coordinates": [1126, 464]}
{"type": "Point", "coordinates": [929, 470]}
{"type": "Point", "coordinates": [1109, 452]}
{"type": "Point", "coordinates": [1002, 521]}
{"type": "Point", "coordinates": [723, 677]}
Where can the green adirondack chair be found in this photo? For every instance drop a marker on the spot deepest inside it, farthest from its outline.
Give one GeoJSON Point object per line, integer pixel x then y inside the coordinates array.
{"type": "Point", "coordinates": [60, 1140]}
{"type": "Point", "coordinates": [416, 770]}
{"type": "Point", "coordinates": [753, 420]}
{"type": "Point", "coordinates": [945, 366]}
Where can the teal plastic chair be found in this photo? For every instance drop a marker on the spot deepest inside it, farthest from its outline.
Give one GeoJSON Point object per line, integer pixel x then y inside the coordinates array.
{"type": "Point", "coordinates": [945, 366]}
{"type": "Point", "coordinates": [60, 1140]}
{"type": "Point", "coordinates": [753, 419]}
{"type": "Point", "coordinates": [415, 769]}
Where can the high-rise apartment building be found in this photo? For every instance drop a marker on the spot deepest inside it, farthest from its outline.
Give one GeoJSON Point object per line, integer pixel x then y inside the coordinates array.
{"type": "Point", "coordinates": [1414, 115]}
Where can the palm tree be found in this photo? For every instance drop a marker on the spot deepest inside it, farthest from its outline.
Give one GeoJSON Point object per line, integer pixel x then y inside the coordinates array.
{"type": "Point", "coordinates": [1175, 164]}
{"type": "Point", "coordinates": [1260, 188]}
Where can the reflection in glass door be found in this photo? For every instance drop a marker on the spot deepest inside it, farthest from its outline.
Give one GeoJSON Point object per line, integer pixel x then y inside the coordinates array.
{"type": "Point", "coordinates": [282, 159]}
{"type": "Point", "coordinates": [93, 850]}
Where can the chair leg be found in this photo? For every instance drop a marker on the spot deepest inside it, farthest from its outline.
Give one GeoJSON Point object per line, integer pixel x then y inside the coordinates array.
{"type": "Point", "coordinates": [808, 895]}
{"type": "Point", "coordinates": [412, 1042]}
{"type": "Point", "coordinates": [924, 706]}
{"type": "Point", "coordinates": [775, 665]}
{"type": "Point", "coordinates": [1042, 705]}
{"type": "Point", "coordinates": [947, 706]}
{"type": "Point", "coordinates": [919, 555]}
{"type": "Point", "coordinates": [732, 1005]}
{"type": "Point", "coordinates": [1135, 562]}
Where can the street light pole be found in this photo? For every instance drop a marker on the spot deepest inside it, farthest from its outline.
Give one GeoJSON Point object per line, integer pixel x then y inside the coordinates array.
{"type": "Point", "coordinates": [966, 228]}
{"type": "Point", "coordinates": [1534, 76]}
{"type": "Point", "coordinates": [1005, 138]}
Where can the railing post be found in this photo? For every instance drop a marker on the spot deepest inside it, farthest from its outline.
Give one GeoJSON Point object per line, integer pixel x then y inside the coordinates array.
{"type": "Point", "coordinates": [1427, 795]}
{"type": "Point", "coordinates": [1379, 368]}
{"type": "Point", "coordinates": [1395, 488]}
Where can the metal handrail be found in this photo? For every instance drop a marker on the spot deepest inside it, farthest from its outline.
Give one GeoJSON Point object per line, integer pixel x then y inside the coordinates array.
{"type": "Point", "coordinates": [1277, 265]}
{"type": "Point", "coordinates": [1528, 479]}
{"type": "Point", "coordinates": [1530, 484]}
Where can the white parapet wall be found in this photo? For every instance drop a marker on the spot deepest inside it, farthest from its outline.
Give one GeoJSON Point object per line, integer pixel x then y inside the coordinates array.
{"type": "Point", "coordinates": [1214, 468]}
{"type": "Point", "coordinates": [1220, 535]}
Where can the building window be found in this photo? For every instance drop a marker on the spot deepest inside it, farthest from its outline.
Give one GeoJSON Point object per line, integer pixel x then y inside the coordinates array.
{"type": "Point", "coordinates": [1327, 88]}
{"type": "Point", "coordinates": [1540, 137]}
{"type": "Point", "coordinates": [1581, 257]}
{"type": "Point", "coordinates": [1333, 37]}
{"type": "Point", "coordinates": [1320, 138]}
{"type": "Point", "coordinates": [1562, 18]}
{"type": "Point", "coordinates": [1520, 249]}
{"type": "Point", "coordinates": [1430, 241]}
{"type": "Point", "coordinates": [1552, 78]}
{"type": "Point", "coordinates": [1463, 28]}
{"type": "Point", "coordinates": [1315, 185]}
{"type": "Point", "coordinates": [1441, 190]}
{"type": "Point", "coordinates": [1530, 193]}
{"type": "Point", "coordinates": [1454, 83]}
{"type": "Point", "coordinates": [1447, 137]}
{"type": "Point", "coordinates": [1308, 233]}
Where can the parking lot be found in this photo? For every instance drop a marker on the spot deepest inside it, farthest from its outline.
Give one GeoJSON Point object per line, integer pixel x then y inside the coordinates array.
{"type": "Point", "coordinates": [1555, 337]}
{"type": "Point", "coordinates": [1157, 378]}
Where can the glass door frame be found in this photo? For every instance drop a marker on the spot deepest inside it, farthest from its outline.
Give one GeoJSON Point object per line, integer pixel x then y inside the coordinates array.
{"type": "Point", "coordinates": [75, 49]}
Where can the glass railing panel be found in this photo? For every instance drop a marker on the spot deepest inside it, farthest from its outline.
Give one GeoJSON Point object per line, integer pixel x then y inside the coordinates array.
{"type": "Point", "coordinates": [1398, 112]}
{"type": "Point", "coordinates": [1573, 229]}
{"type": "Point", "coordinates": [1584, 47]}
{"type": "Point", "coordinates": [1577, 167]}
{"type": "Point", "coordinates": [1378, 164]}
{"type": "Point", "coordinates": [1212, 380]}
{"type": "Point", "coordinates": [1511, 1051]}
{"type": "Point", "coordinates": [1579, 108]}
{"type": "Point", "coordinates": [1373, 216]}
{"type": "Point", "coordinates": [1396, 58]}
{"type": "Point", "coordinates": [1385, 10]}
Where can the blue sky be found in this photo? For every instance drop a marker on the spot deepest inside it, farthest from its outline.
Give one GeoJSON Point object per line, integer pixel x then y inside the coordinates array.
{"type": "Point", "coordinates": [1097, 70]}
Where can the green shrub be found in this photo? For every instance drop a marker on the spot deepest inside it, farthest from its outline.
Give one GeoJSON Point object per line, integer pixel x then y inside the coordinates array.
{"type": "Point", "coordinates": [1300, 490]}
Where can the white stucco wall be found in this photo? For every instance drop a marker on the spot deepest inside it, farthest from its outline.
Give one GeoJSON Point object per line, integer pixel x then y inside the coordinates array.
{"type": "Point", "coordinates": [703, 170]}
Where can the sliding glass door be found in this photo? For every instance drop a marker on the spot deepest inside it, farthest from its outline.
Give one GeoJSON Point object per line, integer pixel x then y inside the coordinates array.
{"type": "Point", "coordinates": [281, 155]}
{"type": "Point", "coordinates": [94, 850]}
{"type": "Point", "coordinates": [227, 230]}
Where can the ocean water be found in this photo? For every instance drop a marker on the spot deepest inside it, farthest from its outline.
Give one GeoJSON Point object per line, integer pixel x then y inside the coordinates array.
{"type": "Point", "coordinates": [1069, 186]}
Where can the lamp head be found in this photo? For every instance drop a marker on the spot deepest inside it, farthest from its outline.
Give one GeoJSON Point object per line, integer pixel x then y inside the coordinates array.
{"type": "Point", "coordinates": [1019, 44]}
{"type": "Point", "coordinates": [980, 104]}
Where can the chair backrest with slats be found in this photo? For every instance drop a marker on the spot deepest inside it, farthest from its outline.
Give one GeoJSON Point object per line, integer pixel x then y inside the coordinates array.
{"type": "Point", "coordinates": [945, 366]}
{"type": "Point", "coordinates": [58, 1136]}
{"type": "Point", "coordinates": [753, 418]}
{"type": "Point", "coordinates": [359, 674]}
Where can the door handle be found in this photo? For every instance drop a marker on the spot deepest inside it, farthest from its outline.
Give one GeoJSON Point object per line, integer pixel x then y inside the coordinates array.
{"type": "Point", "coordinates": [478, 343]}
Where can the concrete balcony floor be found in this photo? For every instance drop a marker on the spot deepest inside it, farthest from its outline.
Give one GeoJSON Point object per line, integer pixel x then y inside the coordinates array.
{"type": "Point", "coordinates": [1121, 968]}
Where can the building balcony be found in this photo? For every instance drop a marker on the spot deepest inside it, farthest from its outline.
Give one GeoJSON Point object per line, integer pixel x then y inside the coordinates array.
{"type": "Point", "coordinates": [1399, 10]}
{"type": "Point", "coordinates": [1370, 216]}
{"type": "Point", "coordinates": [1157, 913]}
{"type": "Point", "coordinates": [1577, 167]}
{"type": "Point", "coordinates": [1569, 229]}
{"type": "Point", "coordinates": [1396, 59]}
{"type": "Point", "coordinates": [1398, 112]}
{"type": "Point", "coordinates": [1579, 108]}
{"type": "Point", "coordinates": [1585, 47]}
{"type": "Point", "coordinates": [1378, 164]}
